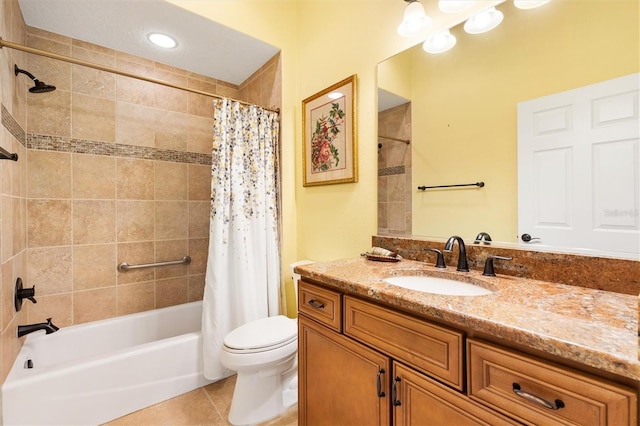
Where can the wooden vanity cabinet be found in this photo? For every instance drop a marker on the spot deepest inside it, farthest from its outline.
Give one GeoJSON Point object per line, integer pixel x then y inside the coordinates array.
{"type": "Point", "coordinates": [343, 381]}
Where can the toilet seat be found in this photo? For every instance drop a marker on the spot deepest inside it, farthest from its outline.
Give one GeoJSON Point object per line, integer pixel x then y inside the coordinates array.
{"type": "Point", "coordinates": [262, 335]}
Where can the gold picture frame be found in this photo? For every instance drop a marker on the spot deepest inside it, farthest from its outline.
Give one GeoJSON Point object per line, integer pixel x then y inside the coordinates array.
{"type": "Point", "coordinates": [329, 143]}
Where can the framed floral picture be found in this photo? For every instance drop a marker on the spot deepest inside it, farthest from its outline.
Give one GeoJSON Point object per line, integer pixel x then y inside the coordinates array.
{"type": "Point", "coordinates": [329, 150]}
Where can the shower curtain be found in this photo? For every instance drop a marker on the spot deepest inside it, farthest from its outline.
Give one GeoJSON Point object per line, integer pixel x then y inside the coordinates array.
{"type": "Point", "coordinates": [243, 268]}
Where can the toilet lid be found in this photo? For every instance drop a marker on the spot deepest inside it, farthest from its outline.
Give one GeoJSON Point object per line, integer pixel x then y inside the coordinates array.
{"type": "Point", "coordinates": [262, 333]}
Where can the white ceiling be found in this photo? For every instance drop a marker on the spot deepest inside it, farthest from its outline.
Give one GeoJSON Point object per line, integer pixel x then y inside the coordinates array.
{"type": "Point", "coordinates": [204, 47]}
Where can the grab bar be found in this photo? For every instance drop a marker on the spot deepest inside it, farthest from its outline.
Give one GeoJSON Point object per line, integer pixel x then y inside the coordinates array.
{"type": "Point", "coordinates": [6, 155]}
{"type": "Point", "coordinates": [480, 184]}
{"type": "Point", "coordinates": [124, 266]}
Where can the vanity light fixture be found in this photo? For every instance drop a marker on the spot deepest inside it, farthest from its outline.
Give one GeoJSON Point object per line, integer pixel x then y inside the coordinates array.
{"type": "Point", "coordinates": [483, 21]}
{"type": "Point", "coordinates": [529, 4]}
{"type": "Point", "coordinates": [454, 6]}
{"type": "Point", "coordinates": [162, 40]}
{"type": "Point", "coordinates": [414, 20]}
{"type": "Point", "coordinates": [440, 42]}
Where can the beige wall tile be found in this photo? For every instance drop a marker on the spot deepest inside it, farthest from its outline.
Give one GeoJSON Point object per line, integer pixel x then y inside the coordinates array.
{"type": "Point", "coordinates": [132, 298]}
{"type": "Point", "coordinates": [172, 291]}
{"type": "Point", "coordinates": [50, 113]}
{"type": "Point", "coordinates": [201, 105]}
{"type": "Point", "coordinates": [171, 130]}
{"type": "Point", "coordinates": [135, 179]}
{"type": "Point", "coordinates": [135, 91]}
{"type": "Point", "coordinates": [49, 223]}
{"type": "Point", "coordinates": [58, 307]}
{"type": "Point", "coordinates": [94, 305]}
{"type": "Point", "coordinates": [50, 270]}
{"type": "Point", "coordinates": [8, 286]}
{"type": "Point", "coordinates": [49, 174]}
{"type": "Point", "coordinates": [94, 176]}
{"type": "Point", "coordinates": [135, 254]}
{"type": "Point", "coordinates": [200, 134]}
{"type": "Point", "coordinates": [171, 99]}
{"type": "Point", "coordinates": [135, 221]}
{"type": "Point", "coordinates": [198, 251]}
{"type": "Point", "coordinates": [89, 81]}
{"type": "Point", "coordinates": [196, 287]}
{"type": "Point", "coordinates": [135, 125]}
{"type": "Point", "coordinates": [170, 250]}
{"type": "Point", "coordinates": [199, 182]}
{"type": "Point", "coordinates": [171, 220]}
{"type": "Point", "coordinates": [170, 181]}
{"type": "Point", "coordinates": [94, 118]}
{"type": "Point", "coordinates": [94, 266]}
{"type": "Point", "coordinates": [94, 221]}
{"type": "Point", "coordinates": [6, 210]}
{"type": "Point", "coordinates": [199, 217]}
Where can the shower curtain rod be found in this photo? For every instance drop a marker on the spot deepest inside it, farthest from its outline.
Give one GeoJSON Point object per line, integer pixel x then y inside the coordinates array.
{"type": "Point", "coordinates": [11, 45]}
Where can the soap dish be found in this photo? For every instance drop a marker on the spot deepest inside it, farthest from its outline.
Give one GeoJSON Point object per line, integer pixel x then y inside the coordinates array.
{"type": "Point", "coordinates": [381, 258]}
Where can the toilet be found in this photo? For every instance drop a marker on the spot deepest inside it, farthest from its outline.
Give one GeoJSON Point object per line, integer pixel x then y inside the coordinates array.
{"type": "Point", "coordinates": [264, 353]}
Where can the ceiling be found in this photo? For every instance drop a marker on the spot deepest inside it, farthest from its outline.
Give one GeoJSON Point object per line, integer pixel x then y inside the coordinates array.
{"type": "Point", "coordinates": [204, 47]}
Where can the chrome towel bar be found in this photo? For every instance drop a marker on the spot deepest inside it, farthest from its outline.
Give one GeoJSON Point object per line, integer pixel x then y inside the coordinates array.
{"type": "Point", "coordinates": [124, 266]}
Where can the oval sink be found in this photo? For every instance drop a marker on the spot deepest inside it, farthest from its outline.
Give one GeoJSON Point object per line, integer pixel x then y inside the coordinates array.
{"type": "Point", "coordinates": [438, 285]}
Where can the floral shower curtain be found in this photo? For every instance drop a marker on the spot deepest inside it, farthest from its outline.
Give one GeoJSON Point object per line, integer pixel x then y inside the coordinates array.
{"type": "Point", "coordinates": [243, 268]}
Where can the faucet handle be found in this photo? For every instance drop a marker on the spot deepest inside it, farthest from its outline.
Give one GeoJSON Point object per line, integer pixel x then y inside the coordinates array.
{"type": "Point", "coordinates": [439, 259]}
{"type": "Point", "coordinates": [488, 265]}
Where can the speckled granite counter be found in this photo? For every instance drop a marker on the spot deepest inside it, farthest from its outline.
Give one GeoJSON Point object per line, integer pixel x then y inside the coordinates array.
{"type": "Point", "coordinates": [592, 327]}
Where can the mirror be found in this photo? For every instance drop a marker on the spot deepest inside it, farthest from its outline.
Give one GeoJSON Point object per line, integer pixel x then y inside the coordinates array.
{"type": "Point", "coordinates": [462, 115]}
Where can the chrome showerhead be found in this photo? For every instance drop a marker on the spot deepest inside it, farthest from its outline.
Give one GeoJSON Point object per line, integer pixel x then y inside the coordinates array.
{"type": "Point", "coordinates": [39, 86]}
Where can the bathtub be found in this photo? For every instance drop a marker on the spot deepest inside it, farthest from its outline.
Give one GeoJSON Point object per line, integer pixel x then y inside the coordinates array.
{"type": "Point", "coordinates": [95, 372]}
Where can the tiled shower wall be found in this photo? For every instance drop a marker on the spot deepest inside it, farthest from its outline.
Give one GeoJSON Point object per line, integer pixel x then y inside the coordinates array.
{"type": "Point", "coordinates": [394, 171]}
{"type": "Point", "coordinates": [112, 169]}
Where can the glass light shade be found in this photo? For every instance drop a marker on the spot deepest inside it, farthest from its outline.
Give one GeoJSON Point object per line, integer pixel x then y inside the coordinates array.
{"type": "Point", "coordinates": [162, 40]}
{"type": "Point", "coordinates": [529, 4]}
{"type": "Point", "coordinates": [454, 6]}
{"type": "Point", "coordinates": [440, 42]}
{"type": "Point", "coordinates": [415, 20]}
{"type": "Point", "coordinates": [484, 21]}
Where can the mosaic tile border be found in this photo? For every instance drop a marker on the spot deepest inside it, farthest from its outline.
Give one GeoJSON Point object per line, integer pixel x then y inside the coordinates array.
{"type": "Point", "coordinates": [388, 171]}
{"type": "Point", "coordinates": [12, 126]}
{"type": "Point", "coordinates": [83, 146]}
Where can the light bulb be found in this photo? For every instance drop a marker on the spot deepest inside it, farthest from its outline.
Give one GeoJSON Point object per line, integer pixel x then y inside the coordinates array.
{"type": "Point", "coordinates": [440, 42]}
{"type": "Point", "coordinates": [484, 21]}
{"type": "Point", "coordinates": [414, 21]}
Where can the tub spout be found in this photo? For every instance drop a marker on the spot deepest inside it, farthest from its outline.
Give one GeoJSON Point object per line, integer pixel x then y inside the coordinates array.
{"type": "Point", "coordinates": [48, 327]}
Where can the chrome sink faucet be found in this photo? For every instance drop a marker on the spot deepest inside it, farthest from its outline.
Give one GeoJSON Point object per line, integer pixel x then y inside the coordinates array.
{"type": "Point", "coordinates": [463, 266]}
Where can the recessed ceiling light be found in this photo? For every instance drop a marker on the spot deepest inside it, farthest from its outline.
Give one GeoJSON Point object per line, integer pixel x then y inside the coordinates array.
{"type": "Point", "coordinates": [335, 95]}
{"type": "Point", "coordinates": [162, 40]}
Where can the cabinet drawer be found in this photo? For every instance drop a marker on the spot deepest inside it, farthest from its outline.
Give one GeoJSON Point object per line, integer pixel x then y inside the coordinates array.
{"type": "Point", "coordinates": [572, 397]}
{"type": "Point", "coordinates": [430, 348]}
{"type": "Point", "coordinates": [320, 304]}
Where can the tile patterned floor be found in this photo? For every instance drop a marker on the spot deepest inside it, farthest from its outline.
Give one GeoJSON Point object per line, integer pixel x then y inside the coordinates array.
{"type": "Point", "coordinates": [206, 406]}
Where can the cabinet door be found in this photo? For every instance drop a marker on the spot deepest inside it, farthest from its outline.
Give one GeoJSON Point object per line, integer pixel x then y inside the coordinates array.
{"type": "Point", "coordinates": [341, 382]}
{"type": "Point", "coordinates": [419, 400]}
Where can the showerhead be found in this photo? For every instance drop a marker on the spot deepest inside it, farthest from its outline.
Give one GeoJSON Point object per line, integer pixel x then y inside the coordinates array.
{"type": "Point", "coordinates": [39, 86]}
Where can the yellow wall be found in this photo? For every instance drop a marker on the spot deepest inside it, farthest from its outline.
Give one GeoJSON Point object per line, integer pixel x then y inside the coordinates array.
{"type": "Point", "coordinates": [464, 105]}
{"type": "Point", "coordinates": [323, 42]}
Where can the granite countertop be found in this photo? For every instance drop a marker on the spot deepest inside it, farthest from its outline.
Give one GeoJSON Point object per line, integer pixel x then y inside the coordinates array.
{"type": "Point", "coordinates": [593, 327]}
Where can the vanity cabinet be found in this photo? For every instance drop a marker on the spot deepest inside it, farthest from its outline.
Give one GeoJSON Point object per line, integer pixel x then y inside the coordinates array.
{"type": "Point", "coordinates": [359, 377]}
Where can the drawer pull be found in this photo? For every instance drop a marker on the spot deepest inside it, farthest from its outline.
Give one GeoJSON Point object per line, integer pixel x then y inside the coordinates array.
{"type": "Point", "coordinates": [316, 304]}
{"type": "Point", "coordinates": [394, 392]}
{"type": "Point", "coordinates": [379, 383]}
{"type": "Point", "coordinates": [536, 399]}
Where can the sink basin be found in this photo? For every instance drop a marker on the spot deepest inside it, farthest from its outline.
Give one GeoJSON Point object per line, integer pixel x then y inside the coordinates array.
{"type": "Point", "coordinates": [438, 286]}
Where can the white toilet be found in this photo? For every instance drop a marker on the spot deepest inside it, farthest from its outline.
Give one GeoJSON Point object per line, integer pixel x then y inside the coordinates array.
{"type": "Point", "coordinates": [265, 355]}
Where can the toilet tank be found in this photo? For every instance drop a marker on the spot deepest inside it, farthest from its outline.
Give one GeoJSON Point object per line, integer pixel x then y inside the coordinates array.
{"type": "Point", "coordinates": [296, 277]}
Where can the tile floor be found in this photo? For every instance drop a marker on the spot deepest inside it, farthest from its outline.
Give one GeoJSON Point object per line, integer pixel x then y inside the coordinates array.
{"type": "Point", "coordinates": [206, 406]}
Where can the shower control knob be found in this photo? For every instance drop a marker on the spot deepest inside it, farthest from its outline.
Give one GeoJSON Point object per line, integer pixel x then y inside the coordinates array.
{"type": "Point", "coordinates": [23, 293]}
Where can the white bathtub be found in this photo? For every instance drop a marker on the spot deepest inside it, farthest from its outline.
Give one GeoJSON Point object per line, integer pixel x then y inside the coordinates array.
{"type": "Point", "coordinates": [95, 372]}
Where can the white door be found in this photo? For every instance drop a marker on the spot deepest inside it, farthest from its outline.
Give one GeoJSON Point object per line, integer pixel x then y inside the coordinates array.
{"type": "Point", "coordinates": [579, 168]}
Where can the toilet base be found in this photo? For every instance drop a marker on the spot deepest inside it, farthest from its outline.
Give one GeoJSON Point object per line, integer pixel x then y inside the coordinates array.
{"type": "Point", "coordinates": [260, 396]}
